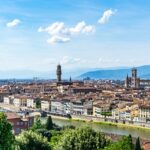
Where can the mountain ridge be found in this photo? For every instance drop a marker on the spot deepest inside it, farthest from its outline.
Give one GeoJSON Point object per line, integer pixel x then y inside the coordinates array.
{"type": "Point", "coordinates": [117, 74]}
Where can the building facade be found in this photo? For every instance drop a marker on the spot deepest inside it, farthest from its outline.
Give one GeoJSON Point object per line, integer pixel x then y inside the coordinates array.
{"type": "Point", "coordinates": [135, 82]}
{"type": "Point", "coordinates": [19, 123]}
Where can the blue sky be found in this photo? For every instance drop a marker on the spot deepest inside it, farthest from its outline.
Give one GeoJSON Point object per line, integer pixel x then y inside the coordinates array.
{"type": "Point", "coordinates": [39, 34]}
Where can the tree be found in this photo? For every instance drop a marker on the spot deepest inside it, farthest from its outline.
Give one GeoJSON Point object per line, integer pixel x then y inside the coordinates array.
{"type": "Point", "coordinates": [130, 141]}
{"type": "Point", "coordinates": [38, 103]}
{"type": "Point", "coordinates": [82, 139]}
{"type": "Point", "coordinates": [56, 136]}
{"type": "Point", "coordinates": [137, 144]}
{"type": "Point", "coordinates": [49, 123]}
{"type": "Point", "coordinates": [124, 144]}
{"type": "Point", "coordinates": [45, 133]}
{"type": "Point", "coordinates": [37, 125]}
{"type": "Point", "coordinates": [6, 136]}
{"type": "Point", "coordinates": [29, 140]}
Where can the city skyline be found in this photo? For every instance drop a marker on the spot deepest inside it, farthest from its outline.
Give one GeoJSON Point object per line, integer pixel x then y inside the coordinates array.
{"type": "Point", "coordinates": [37, 35]}
{"type": "Point", "coordinates": [74, 74]}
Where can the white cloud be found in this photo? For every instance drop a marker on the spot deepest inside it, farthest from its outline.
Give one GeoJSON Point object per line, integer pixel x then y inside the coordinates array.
{"type": "Point", "coordinates": [108, 60]}
{"type": "Point", "coordinates": [58, 39]}
{"type": "Point", "coordinates": [13, 23]}
{"type": "Point", "coordinates": [55, 28]}
{"type": "Point", "coordinates": [106, 15]}
{"type": "Point", "coordinates": [81, 27]}
{"type": "Point", "coordinates": [69, 60]}
{"type": "Point", "coordinates": [40, 29]}
{"type": "Point", "coordinates": [89, 29]}
{"type": "Point", "coordinates": [60, 33]}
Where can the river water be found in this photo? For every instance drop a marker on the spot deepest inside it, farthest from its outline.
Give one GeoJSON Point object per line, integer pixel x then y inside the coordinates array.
{"type": "Point", "coordinates": [145, 134]}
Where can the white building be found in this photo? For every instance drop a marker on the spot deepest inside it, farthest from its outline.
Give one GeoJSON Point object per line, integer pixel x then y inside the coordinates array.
{"type": "Point", "coordinates": [20, 101]}
{"type": "Point", "coordinates": [45, 105]}
{"type": "Point", "coordinates": [31, 103]}
{"type": "Point", "coordinates": [8, 99]}
{"type": "Point", "coordinates": [60, 106]}
{"type": "Point", "coordinates": [144, 113]}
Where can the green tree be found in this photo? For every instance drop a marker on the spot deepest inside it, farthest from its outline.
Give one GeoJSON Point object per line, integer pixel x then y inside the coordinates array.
{"type": "Point", "coordinates": [38, 103]}
{"type": "Point", "coordinates": [124, 144]}
{"type": "Point", "coordinates": [6, 136]}
{"type": "Point", "coordinates": [82, 139]}
{"type": "Point", "coordinates": [30, 140]}
{"type": "Point", "coordinates": [137, 144]}
{"type": "Point", "coordinates": [45, 133]}
{"type": "Point", "coordinates": [56, 136]}
{"type": "Point", "coordinates": [49, 123]}
{"type": "Point", "coordinates": [37, 125]}
{"type": "Point", "coordinates": [130, 141]}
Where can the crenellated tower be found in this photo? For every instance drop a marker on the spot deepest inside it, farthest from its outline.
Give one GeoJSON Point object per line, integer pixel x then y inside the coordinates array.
{"type": "Point", "coordinates": [58, 73]}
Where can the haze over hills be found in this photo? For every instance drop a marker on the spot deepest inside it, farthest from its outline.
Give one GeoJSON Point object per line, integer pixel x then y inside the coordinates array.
{"type": "Point", "coordinates": [94, 73]}
{"type": "Point", "coordinates": [48, 74]}
{"type": "Point", "coordinates": [117, 74]}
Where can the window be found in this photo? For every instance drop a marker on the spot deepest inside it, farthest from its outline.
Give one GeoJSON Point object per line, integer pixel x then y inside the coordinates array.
{"type": "Point", "coordinates": [18, 123]}
{"type": "Point", "coordinates": [18, 130]}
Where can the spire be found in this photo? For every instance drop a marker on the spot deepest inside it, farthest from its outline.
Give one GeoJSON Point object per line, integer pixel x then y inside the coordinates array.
{"type": "Point", "coordinates": [127, 77]}
{"type": "Point", "coordinates": [70, 79]}
{"type": "Point", "coordinates": [127, 82]}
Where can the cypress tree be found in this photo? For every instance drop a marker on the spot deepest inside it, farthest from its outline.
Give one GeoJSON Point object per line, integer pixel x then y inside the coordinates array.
{"type": "Point", "coordinates": [138, 145]}
{"type": "Point", "coordinates": [130, 141]}
{"type": "Point", "coordinates": [49, 123]}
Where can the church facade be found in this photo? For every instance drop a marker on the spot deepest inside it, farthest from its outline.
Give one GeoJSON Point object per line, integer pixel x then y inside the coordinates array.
{"type": "Point", "coordinates": [135, 82]}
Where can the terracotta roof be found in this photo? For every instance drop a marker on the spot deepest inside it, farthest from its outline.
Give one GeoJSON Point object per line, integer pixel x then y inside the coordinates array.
{"type": "Point", "coordinates": [11, 115]}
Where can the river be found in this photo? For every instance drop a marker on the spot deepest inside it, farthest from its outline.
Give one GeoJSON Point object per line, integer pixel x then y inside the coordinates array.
{"type": "Point", "coordinates": [145, 134]}
{"type": "Point", "coordinates": [135, 132]}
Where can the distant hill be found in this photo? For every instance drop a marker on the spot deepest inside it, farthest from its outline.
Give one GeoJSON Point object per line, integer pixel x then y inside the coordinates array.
{"type": "Point", "coordinates": [117, 74]}
{"type": "Point", "coordinates": [78, 73]}
{"type": "Point", "coordinates": [48, 74]}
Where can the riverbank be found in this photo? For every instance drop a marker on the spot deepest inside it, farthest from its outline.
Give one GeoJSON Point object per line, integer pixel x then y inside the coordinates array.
{"type": "Point", "coordinates": [60, 117]}
{"type": "Point", "coordinates": [119, 125]}
{"type": "Point", "coordinates": [105, 127]}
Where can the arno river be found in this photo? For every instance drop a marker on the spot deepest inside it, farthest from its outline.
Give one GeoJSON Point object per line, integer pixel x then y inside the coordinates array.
{"type": "Point", "coordinates": [145, 134]}
{"type": "Point", "coordinates": [106, 128]}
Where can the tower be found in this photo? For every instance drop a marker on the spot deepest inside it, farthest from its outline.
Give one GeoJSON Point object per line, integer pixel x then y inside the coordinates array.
{"type": "Point", "coordinates": [134, 78]}
{"type": "Point", "coordinates": [127, 82]}
{"type": "Point", "coordinates": [58, 73]}
{"type": "Point", "coordinates": [70, 79]}
{"type": "Point", "coordinates": [134, 73]}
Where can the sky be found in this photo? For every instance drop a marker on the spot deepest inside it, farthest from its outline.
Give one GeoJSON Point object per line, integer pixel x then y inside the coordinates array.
{"type": "Point", "coordinates": [38, 34]}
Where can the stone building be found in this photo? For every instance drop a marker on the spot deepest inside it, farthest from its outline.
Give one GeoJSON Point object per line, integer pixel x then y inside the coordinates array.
{"type": "Point", "coordinates": [135, 82]}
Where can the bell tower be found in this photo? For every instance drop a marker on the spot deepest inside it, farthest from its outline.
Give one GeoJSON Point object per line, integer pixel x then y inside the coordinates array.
{"type": "Point", "coordinates": [134, 73]}
{"type": "Point", "coordinates": [58, 73]}
{"type": "Point", "coordinates": [134, 78]}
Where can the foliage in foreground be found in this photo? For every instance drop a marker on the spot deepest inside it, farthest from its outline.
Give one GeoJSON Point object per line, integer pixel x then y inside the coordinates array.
{"type": "Point", "coordinates": [30, 140]}
{"type": "Point", "coordinates": [124, 144]}
{"type": "Point", "coordinates": [137, 144]}
{"type": "Point", "coordinates": [49, 136]}
{"type": "Point", "coordinates": [82, 139]}
{"type": "Point", "coordinates": [6, 136]}
{"type": "Point", "coordinates": [37, 125]}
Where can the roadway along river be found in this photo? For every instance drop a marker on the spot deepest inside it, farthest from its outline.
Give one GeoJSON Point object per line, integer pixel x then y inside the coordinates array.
{"type": "Point", "coordinates": [145, 134]}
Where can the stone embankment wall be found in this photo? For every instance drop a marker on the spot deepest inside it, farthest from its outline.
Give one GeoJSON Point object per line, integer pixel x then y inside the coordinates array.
{"type": "Point", "coordinates": [108, 119]}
